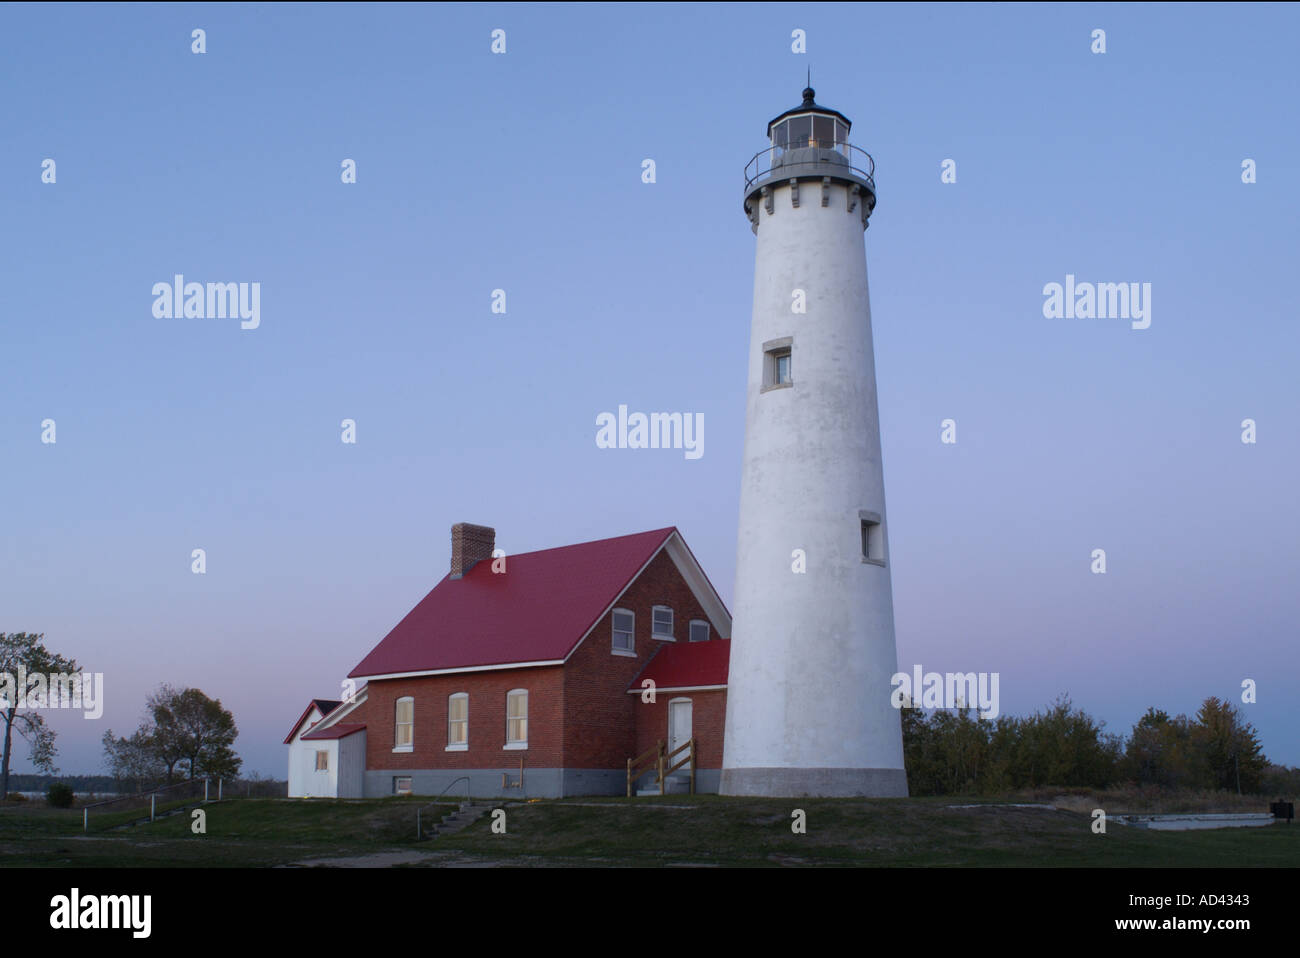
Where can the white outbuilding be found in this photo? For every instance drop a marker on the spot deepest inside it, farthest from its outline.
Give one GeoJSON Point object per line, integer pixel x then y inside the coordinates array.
{"type": "Point", "coordinates": [327, 754]}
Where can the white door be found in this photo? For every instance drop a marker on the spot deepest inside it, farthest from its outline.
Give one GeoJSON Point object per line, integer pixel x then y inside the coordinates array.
{"type": "Point", "coordinates": [679, 730]}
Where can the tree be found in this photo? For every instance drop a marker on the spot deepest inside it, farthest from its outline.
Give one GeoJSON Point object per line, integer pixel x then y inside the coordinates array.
{"type": "Point", "coordinates": [183, 732]}
{"type": "Point", "coordinates": [1061, 746]}
{"type": "Point", "coordinates": [1231, 747]}
{"type": "Point", "coordinates": [193, 731]}
{"type": "Point", "coordinates": [1163, 751]}
{"type": "Point", "coordinates": [134, 759]}
{"type": "Point", "coordinates": [24, 653]}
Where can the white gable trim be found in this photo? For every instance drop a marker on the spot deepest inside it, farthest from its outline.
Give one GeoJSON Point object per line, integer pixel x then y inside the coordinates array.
{"type": "Point", "coordinates": [695, 580]}
{"type": "Point", "coordinates": [333, 718]}
{"type": "Point", "coordinates": [470, 668]}
{"type": "Point", "coordinates": [307, 723]}
{"type": "Point", "coordinates": [679, 688]}
{"type": "Point", "coordinates": [703, 590]}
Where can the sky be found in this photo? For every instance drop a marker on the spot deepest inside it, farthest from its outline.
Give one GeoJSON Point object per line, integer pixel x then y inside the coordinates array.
{"type": "Point", "coordinates": [522, 171]}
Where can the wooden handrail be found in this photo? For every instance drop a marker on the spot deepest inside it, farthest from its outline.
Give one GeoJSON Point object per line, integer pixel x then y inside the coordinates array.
{"type": "Point", "coordinates": [634, 771]}
{"type": "Point", "coordinates": [662, 757]}
{"type": "Point", "coordinates": [689, 744]}
{"type": "Point", "coordinates": [646, 754]}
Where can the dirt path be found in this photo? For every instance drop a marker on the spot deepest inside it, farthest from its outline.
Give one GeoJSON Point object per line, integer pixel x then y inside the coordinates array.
{"type": "Point", "coordinates": [372, 860]}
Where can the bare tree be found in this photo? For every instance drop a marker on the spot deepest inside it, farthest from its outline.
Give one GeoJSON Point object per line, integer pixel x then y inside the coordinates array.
{"type": "Point", "coordinates": [24, 654]}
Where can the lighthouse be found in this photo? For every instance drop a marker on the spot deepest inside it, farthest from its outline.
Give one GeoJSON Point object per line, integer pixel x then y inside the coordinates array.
{"type": "Point", "coordinates": [808, 692]}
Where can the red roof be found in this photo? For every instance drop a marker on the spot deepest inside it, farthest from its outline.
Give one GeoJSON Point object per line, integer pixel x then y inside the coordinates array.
{"type": "Point", "coordinates": [687, 665]}
{"type": "Point", "coordinates": [537, 611]}
{"type": "Point", "coordinates": [342, 730]}
{"type": "Point", "coordinates": [325, 706]}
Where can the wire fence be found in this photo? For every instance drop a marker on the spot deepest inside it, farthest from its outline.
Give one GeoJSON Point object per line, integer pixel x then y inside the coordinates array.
{"type": "Point", "coordinates": [147, 806]}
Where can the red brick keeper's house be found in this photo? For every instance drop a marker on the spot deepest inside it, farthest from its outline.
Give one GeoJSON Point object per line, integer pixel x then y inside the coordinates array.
{"type": "Point", "coordinates": [529, 674]}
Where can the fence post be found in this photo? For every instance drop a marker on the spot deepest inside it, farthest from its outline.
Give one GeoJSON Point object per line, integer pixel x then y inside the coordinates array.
{"type": "Point", "coordinates": [220, 782]}
{"type": "Point", "coordinates": [85, 819]}
{"type": "Point", "coordinates": [153, 802]}
{"type": "Point", "coordinates": [205, 790]}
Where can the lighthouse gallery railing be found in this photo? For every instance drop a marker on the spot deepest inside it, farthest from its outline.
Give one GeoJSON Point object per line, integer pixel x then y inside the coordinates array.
{"type": "Point", "coordinates": [780, 162]}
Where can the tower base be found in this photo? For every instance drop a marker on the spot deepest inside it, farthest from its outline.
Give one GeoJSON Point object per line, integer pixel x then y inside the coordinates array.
{"type": "Point", "coordinates": [815, 782]}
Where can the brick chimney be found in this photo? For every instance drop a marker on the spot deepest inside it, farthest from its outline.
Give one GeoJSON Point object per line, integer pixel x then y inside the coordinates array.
{"type": "Point", "coordinates": [469, 544]}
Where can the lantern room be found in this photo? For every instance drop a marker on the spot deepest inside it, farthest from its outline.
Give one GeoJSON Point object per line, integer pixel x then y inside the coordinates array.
{"type": "Point", "coordinates": [810, 143]}
{"type": "Point", "coordinates": [809, 125]}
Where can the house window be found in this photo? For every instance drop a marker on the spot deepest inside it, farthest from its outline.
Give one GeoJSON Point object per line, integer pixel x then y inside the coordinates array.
{"type": "Point", "coordinates": [624, 622]}
{"type": "Point", "coordinates": [517, 718]}
{"type": "Point", "coordinates": [873, 538]}
{"type": "Point", "coordinates": [458, 722]}
{"type": "Point", "coordinates": [322, 760]}
{"type": "Point", "coordinates": [401, 785]}
{"type": "Point", "coordinates": [699, 630]}
{"type": "Point", "coordinates": [404, 725]}
{"type": "Point", "coordinates": [777, 370]}
{"type": "Point", "coordinates": [661, 622]}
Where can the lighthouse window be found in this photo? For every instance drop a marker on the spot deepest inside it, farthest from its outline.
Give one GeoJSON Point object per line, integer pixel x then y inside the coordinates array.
{"type": "Point", "coordinates": [781, 136]}
{"type": "Point", "coordinates": [823, 131]}
{"type": "Point", "coordinates": [800, 131]}
{"type": "Point", "coordinates": [777, 363]}
{"type": "Point", "coordinates": [873, 540]}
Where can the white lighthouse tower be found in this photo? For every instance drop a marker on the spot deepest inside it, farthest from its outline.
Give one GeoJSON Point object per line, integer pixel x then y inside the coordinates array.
{"type": "Point", "coordinates": [808, 695]}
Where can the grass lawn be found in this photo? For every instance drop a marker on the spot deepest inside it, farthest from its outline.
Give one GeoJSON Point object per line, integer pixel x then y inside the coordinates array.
{"type": "Point", "coordinates": [675, 830]}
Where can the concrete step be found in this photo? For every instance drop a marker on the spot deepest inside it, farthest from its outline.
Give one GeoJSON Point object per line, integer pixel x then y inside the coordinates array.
{"type": "Point", "coordinates": [466, 816]}
{"type": "Point", "coordinates": [675, 784]}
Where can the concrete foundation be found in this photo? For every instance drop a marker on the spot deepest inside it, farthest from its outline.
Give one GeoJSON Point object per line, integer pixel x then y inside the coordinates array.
{"type": "Point", "coordinates": [815, 782]}
{"type": "Point", "coordinates": [538, 782]}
